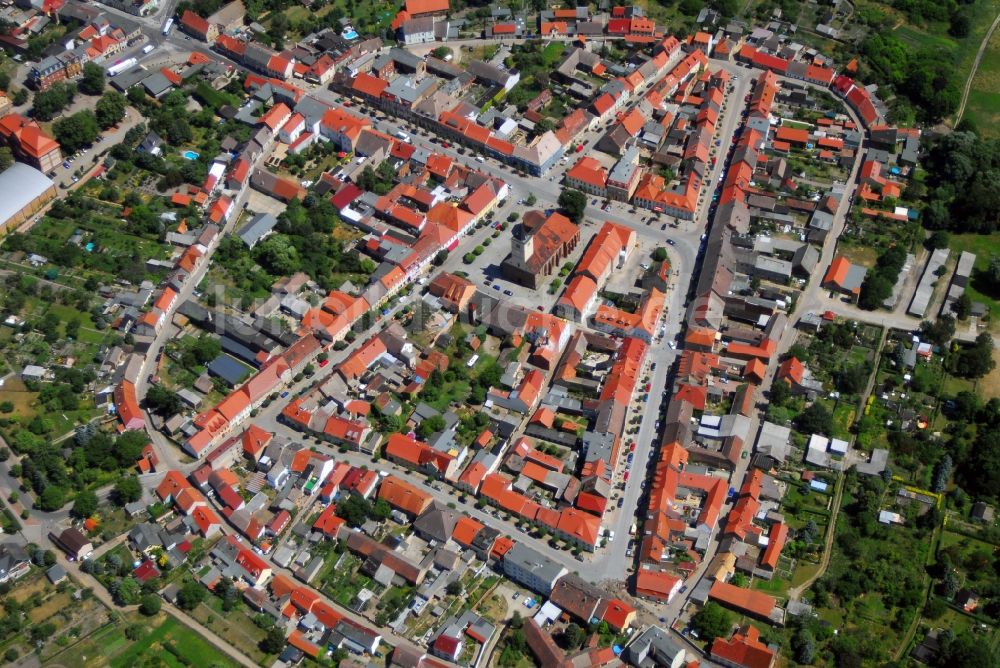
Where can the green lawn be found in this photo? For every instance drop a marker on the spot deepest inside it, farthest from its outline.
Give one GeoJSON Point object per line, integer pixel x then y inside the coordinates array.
{"type": "Point", "coordinates": [164, 638]}
{"type": "Point", "coordinates": [553, 53]}
{"type": "Point", "coordinates": [795, 124]}
{"type": "Point", "coordinates": [983, 105]}
{"type": "Point", "coordinates": [935, 35]}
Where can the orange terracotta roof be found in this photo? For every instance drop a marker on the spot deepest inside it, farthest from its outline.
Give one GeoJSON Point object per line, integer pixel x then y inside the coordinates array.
{"type": "Point", "coordinates": [588, 170]}
{"type": "Point", "coordinates": [746, 600]}
{"type": "Point", "coordinates": [837, 273]}
{"type": "Point", "coordinates": [743, 649]}
{"type": "Point", "coordinates": [579, 525]}
{"type": "Point", "coordinates": [403, 496]}
{"type": "Point", "coordinates": [171, 485]}
{"type": "Point", "coordinates": [791, 370]}
{"type": "Point", "coordinates": [792, 135]}
{"type": "Point", "coordinates": [656, 584]}
{"type": "Point", "coordinates": [465, 530]}
{"type": "Point", "coordinates": [418, 7]}
{"type": "Point", "coordinates": [776, 541]}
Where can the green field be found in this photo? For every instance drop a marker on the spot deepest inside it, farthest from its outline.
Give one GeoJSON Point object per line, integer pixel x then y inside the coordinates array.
{"type": "Point", "coordinates": [983, 106]}
{"type": "Point", "coordinates": [168, 643]}
{"type": "Point", "coordinates": [935, 35]}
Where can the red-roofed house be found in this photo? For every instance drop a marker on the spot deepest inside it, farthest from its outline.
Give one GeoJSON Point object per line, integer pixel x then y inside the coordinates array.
{"type": "Point", "coordinates": [794, 136]}
{"type": "Point", "coordinates": [579, 528]}
{"type": "Point", "coordinates": [207, 521]}
{"type": "Point", "coordinates": [743, 650]}
{"type": "Point", "coordinates": [776, 541]}
{"type": "Point", "coordinates": [199, 27]}
{"type": "Point", "coordinates": [417, 8]}
{"type": "Point", "coordinates": [146, 571]}
{"type": "Point", "coordinates": [589, 176]}
{"type": "Point", "coordinates": [525, 397]}
{"type": "Point", "coordinates": [657, 585]}
{"type": "Point", "coordinates": [328, 523]}
{"type": "Point", "coordinates": [255, 440]}
{"type": "Point", "coordinates": [30, 143]}
{"type": "Point", "coordinates": [342, 128]}
{"type": "Point", "coordinates": [749, 601]}
{"type": "Point", "coordinates": [275, 117]}
{"type": "Point", "coordinates": [415, 454]}
{"type": "Point", "coordinates": [844, 277]}
{"type": "Point", "coordinates": [618, 614]}
{"type": "Point", "coordinates": [127, 406]}
{"type": "Point", "coordinates": [255, 570]}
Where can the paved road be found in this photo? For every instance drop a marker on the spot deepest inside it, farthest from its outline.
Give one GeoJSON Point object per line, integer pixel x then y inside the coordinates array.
{"type": "Point", "coordinates": [168, 454]}
{"type": "Point", "coordinates": [684, 258]}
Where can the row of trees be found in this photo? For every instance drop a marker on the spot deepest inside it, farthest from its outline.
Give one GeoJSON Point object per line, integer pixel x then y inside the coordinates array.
{"type": "Point", "coordinates": [880, 280]}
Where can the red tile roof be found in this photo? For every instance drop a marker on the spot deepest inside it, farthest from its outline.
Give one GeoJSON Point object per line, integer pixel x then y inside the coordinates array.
{"type": "Point", "coordinates": [465, 530]}
{"type": "Point", "coordinates": [746, 600]}
{"type": "Point", "coordinates": [328, 523]}
{"type": "Point", "coordinates": [837, 273]}
{"type": "Point", "coordinates": [655, 584]}
{"type": "Point", "coordinates": [617, 613]}
{"type": "Point", "coordinates": [791, 370]}
{"type": "Point", "coordinates": [404, 496]}
{"type": "Point", "coordinates": [743, 649]}
{"type": "Point", "coordinates": [419, 7]}
{"type": "Point", "coordinates": [776, 541]}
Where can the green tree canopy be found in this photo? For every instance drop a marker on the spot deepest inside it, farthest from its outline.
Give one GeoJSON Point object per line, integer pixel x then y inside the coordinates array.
{"type": "Point", "coordinates": [76, 131]}
{"type": "Point", "coordinates": [110, 109]}
{"type": "Point", "coordinates": [712, 621]}
{"type": "Point", "coordinates": [573, 203]}
{"type": "Point", "coordinates": [84, 505]}
{"type": "Point", "coordinates": [92, 82]}
{"type": "Point", "coordinates": [128, 489]}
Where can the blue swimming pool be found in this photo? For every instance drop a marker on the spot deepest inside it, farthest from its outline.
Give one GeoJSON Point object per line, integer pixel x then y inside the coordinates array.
{"type": "Point", "coordinates": [349, 34]}
{"type": "Point", "coordinates": [189, 155]}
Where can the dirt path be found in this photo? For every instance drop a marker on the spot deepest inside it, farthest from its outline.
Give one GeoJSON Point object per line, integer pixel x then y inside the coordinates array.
{"type": "Point", "coordinates": [975, 66]}
{"type": "Point", "coordinates": [795, 593]}
{"type": "Point", "coordinates": [217, 642]}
